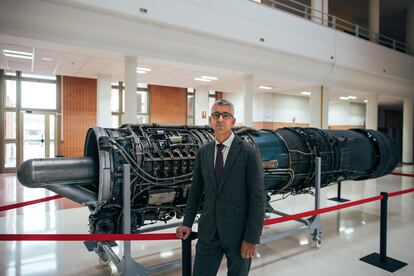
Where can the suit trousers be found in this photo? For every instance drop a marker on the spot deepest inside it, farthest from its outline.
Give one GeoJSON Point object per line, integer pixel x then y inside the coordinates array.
{"type": "Point", "coordinates": [209, 255]}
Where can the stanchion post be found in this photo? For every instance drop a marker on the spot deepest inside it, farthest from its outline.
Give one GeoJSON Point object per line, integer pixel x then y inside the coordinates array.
{"type": "Point", "coordinates": [381, 260]}
{"type": "Point", "coordinates": [128, 265]}
{"type": "Point", "coordinates": [383, 227]}
{"type": "Point", "coordinates": [186, 254]}
{"type": "Point", "coordinates": [315, 225]}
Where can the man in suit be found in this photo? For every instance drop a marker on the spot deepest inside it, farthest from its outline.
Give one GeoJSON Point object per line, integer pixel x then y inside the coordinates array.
{"type": "Point", "coordinates": [229, 174]}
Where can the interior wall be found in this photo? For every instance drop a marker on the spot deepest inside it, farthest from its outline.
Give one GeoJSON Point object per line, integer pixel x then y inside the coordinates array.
{"type": "Point", "coordinates": [168, 105]}
{"type": "Point", "coordinates": [237, 101]}
{"type": "Point", "coordinates": [345, 115]}
{"type": "Point", "coordinates": [78, 113]}
{"type": "Point", "coordinates": [290, 109]}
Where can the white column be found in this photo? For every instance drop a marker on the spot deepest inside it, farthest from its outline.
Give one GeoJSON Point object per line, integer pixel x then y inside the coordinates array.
{"type": "Point", "coordinates": [248, 100]}
{"type": "Point", "coordinates": [318, 107]}
{"type": "Point", "coordinates": [130, 115]}
{"type": "Point", "coordinates": [201, 106]}
{"type": "Point", "coordinates": [407, 148]}
{"type": "Point", "coordinates": [374, 18]}
{"type": "Point", "coordinates": [320, 10]}
{"type": "Point", "coordinates": [325, 10]}
{"type": "Point", "coordinates": [325, 107]}
{"type": "Point", "coordinates": [103, 105]}
{"type": "Point", "coordinates": [409, 27]}
{"type": "Point", "coordinates": [372, 112]}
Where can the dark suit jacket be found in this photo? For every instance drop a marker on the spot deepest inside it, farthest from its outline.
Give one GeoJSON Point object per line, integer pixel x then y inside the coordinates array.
{"type": "Point", "coordinates": [236, 210]}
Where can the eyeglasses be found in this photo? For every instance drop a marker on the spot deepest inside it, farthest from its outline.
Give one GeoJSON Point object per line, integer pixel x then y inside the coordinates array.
{"type": "Point", "coordinates": [216, 115]}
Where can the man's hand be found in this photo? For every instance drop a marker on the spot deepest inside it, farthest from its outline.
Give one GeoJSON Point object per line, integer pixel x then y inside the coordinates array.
{"type": "Point", "coordinates": [248, 250]}
{"type": "Point", "coordinates": [183, 232]}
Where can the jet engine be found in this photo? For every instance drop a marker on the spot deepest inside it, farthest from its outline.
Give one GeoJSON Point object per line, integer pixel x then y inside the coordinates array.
{"type": "Point", "coordinates": [162, 157]}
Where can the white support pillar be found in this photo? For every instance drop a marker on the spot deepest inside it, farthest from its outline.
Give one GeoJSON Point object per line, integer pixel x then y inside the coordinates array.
{"type": "Point", "coordinates": [409, 27]}
{"type": "Point", "coordinates": [248, 100]}
{"type": "Point", "coordinates": [374, 18]}
{"type": "Point", "coordinates": [130, 115]}
{"type": "Point", "coordinates": [320, 10]}
{"type": "Point", "coordinates": [103, 105]}
{"type": "Point", "coordinates": [201, 111]}
{"type": "Point", "coordinates": [372, 112]}
{"type": "Point", "coordinates": [318, 107]}
{"type": "Point", "coordinates": [407, 148]}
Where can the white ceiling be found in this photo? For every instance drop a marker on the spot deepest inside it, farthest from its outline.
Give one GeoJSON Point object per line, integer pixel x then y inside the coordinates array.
{"type": "Point", "coordinates": [53, 59]}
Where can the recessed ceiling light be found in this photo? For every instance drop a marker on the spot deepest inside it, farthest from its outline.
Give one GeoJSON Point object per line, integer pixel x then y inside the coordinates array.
{"type": "Point", "coordinates": [47, 58]}
{"type": "Point", "coordinates": [365, 101]}
{"type": "Point", "coordinates": [209, 77]}
{"type": "Point", "coordinates": [306, 93]}
{"type": "Point", "coordinates": [265, 87]}
{"type": "Point", "coordinates": [201, 79]}
{"type": "Point", "coordinates": [18, 54]}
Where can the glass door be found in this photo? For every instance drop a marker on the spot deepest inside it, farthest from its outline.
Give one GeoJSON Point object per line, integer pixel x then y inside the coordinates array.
{"type": "Point", "coordinates": [38, 135]}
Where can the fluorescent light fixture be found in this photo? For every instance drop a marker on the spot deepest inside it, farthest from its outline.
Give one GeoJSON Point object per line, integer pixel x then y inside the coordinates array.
{"type": "Point", "coordinates": [47, 58]}
{"type": "Point", "coordinates": [265, 87]}
{"type": "Point", "coordinates": [306, 93]}
{"type": "Point", "coordinates": [17, 54]}
{"type": "Point", "coordinates": [141, 72]}
{"type": "Point", "coordinates": [365, 101]}
{"type": "Point", "coordinates": [209, 78]}
{"type": "Point", "coordinates": [344, 98]}
{"type": "Point", "coordinates": [201, 79]}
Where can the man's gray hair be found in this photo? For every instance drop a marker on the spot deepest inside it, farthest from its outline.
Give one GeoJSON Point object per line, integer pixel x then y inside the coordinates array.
{"type": "Point", "coordinates": [223, 102]}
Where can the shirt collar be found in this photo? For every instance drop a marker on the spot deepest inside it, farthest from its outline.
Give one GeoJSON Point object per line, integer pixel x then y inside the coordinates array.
{"type": "Point", "coordinates": [228, 142]}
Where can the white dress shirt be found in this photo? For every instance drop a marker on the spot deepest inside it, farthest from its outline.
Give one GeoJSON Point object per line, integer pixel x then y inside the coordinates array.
{"type": "Point", "coordinates": [226, 149]}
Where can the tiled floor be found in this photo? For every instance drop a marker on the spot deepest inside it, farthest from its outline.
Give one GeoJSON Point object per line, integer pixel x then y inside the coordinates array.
{"type": "Point", "coordinates": [348, 235]}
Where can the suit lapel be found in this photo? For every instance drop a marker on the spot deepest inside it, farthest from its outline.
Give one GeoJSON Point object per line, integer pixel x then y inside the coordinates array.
{"type": "Point", "coordinates": [231, 157]}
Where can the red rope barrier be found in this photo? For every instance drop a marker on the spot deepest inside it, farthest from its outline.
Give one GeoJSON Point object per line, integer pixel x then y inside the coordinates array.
{"type": "Point", "coordinates": [165, 236]}
{"type": "Point", "coordinates": [321, 211]}
{"type": "Point", "coordinates": [402, 174]}
{"type": "Point", "coordinates": [401, 192]}
{"type": "Point", "coordinates": [87, 237]}
{"type": "Point", "coordinates": [26, 203]}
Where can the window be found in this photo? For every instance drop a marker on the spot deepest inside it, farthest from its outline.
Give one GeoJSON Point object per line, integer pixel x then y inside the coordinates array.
{"type": "Point", "coordinates": [26, 94]}
{"type": "Point", "coordinates": [190, 106]}
{"type": "Point", "coordinates": [118, 103]}
{"type": "Point", "coordinates": [9, 125]}
{"type": "Point", "coordinates": [211, 100]}
{"type": "Point", "coordinates": [10, 155]}
{"type": "Point", "coordinates": [38, 95]}
{"type": "Point", "coordinates": [10, 98]}
{"type": "Point", "coordinates": [142, 102]}
{"type": "Point", "coordinates": [115, 100]}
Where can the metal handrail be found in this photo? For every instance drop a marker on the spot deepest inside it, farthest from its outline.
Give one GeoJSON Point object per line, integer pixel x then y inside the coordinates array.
{"type": "Point", "coordinates": [339, 24]}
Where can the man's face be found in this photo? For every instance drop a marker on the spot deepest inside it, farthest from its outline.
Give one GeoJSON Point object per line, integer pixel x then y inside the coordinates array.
{"type": "Point", "coordinates": [222, 125]}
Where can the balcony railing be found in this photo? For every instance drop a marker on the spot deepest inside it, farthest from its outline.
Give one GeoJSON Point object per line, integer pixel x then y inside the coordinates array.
{"type": "Point", "coordinates": [337, 23]}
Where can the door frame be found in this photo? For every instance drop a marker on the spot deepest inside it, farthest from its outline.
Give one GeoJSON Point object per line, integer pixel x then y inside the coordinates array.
{"type": "Point", "coordinates": [20, 141]}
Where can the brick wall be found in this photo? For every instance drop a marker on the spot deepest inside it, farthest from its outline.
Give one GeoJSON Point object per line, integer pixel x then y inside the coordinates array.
{"type": "Point", "coordinates": [167, 105]}
{"type": "Point", "coordinates": [78, 113]}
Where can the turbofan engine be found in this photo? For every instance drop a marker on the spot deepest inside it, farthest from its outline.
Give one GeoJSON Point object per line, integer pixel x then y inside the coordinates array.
{"type": "Point", "coordinates": [162, 157]}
